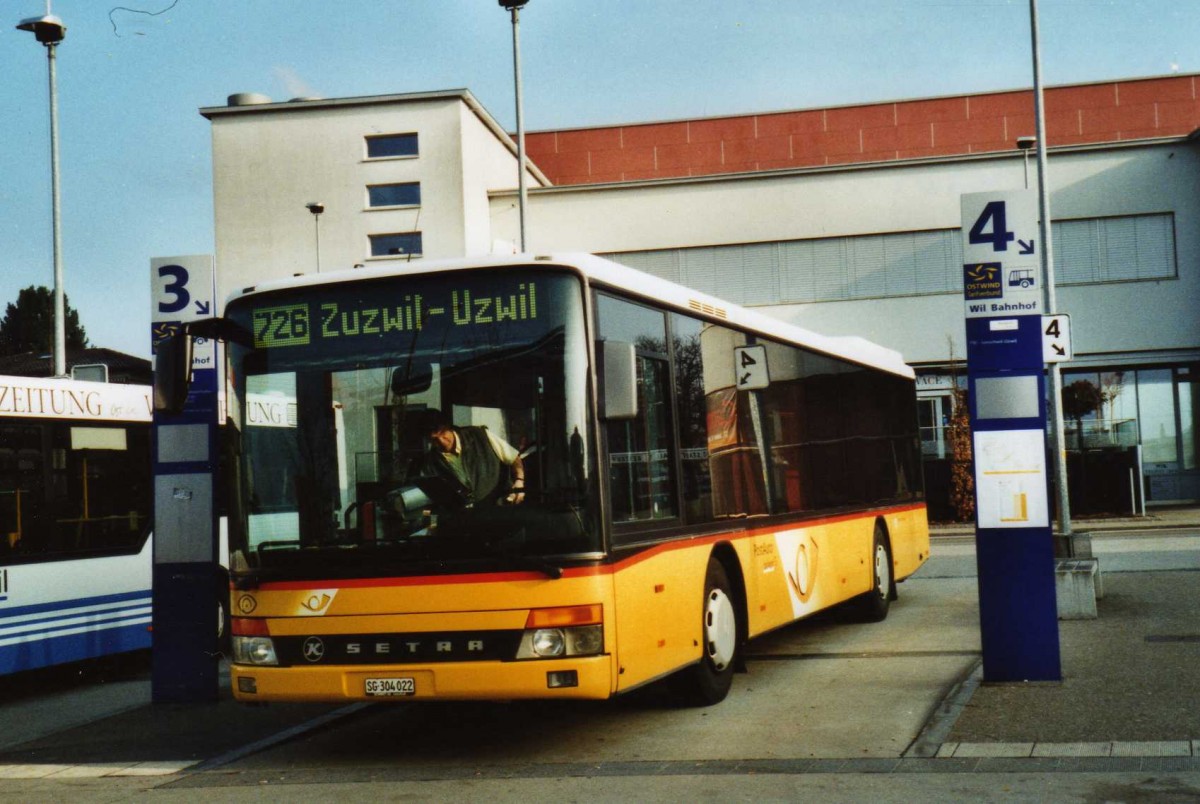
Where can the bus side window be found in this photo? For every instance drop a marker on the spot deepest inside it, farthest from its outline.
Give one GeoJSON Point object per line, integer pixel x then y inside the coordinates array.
{"type": "Point", "coordinates": [692, 414]}
{"type": "Point", "coordinates": [641, 451]}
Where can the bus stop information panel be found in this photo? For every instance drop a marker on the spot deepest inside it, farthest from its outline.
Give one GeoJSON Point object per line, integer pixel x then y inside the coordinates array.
{"type": "Point", "coordinates": [1002, 295]}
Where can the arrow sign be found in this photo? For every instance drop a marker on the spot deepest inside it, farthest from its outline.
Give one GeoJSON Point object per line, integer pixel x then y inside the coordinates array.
{"type": "Point", "coordinates": [1000, 231]}
{"type": "Point", "coordinates": [202, 308]}
{"type": "Point", "coordinates": [751, 363]}
{"type": "Point", "coordinates": [1056, 338]}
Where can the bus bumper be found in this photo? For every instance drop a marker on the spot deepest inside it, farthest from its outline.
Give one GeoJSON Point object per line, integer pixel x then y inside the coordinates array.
{"type": "Point", "coordinates": [578, 677]}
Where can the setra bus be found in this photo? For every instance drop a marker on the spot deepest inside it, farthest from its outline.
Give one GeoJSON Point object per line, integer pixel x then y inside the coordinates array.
{"type": "Point", "coordinates": [75, 502]}
{"type": "Point", "coordinates": [692, 474]}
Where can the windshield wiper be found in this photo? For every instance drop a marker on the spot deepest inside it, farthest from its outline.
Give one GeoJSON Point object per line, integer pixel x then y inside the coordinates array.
{"type": "Point", "coordinates": [550, 570]}
{"type": "Point", "coordinates": [507, 550]}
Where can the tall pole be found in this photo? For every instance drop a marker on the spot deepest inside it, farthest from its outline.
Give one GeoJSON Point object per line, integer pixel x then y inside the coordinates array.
{"type": "Point", "coordinates": [316, 208]}
{"type": "Point", "coordinates": [317, 224]}
{"type": "Point", "coordinates": [60, 318]}
{"type": "Point", "coordinates": [522, 195]}
{"type": "Point", "coordinates": [49, 31]}
{"type": "Point", "coordinates": [1051, 303]}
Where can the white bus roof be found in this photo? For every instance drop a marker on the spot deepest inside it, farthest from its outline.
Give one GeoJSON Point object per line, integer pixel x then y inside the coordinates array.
{"type": "Point", "coordinates": [637, 283]}
{"type": "Point", "coordinates": [73, 400]}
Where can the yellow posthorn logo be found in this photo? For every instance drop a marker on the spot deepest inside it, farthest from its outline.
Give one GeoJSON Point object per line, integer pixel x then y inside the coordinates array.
{"type": "Point", "coordinates": [316, 602]}
{"type": "Point", "coordinates": [804, 577]}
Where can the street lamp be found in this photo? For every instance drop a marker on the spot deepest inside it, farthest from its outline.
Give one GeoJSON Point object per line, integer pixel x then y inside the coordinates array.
{"type": "Point", "coordinates": [50, 30]}
{"type": "Point", "coordinates": [1066, 542]}
{"type": "Point", "coordinates": [1025, 144]}
{"type": "Point", "coordinates": [316, 208]}
{"type": "Point", "coordinates": [514, 7]}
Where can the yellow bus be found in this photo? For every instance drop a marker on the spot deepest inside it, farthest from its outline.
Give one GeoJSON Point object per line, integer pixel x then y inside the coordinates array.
{"type": "Point", "coordinates": [641, 478]}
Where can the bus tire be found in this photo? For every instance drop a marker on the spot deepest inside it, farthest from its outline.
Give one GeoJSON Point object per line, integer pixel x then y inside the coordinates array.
{"type": "Point", "coordinates": [873, 606]}
{"type": "Point", "coordinates": [224, 617]}
{"type": "Point", "coordinates": [708, 681]}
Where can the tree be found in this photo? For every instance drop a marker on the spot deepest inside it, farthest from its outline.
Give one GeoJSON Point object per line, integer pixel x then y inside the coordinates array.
{"type": "Point", "coordinates": [1079, 399]}
{"type": "Point", "coordinates": [28, 325]}
{"type": "Point", "coordinates": [962, 471]}
{"type": "Point", "coordinates": [962, 449]}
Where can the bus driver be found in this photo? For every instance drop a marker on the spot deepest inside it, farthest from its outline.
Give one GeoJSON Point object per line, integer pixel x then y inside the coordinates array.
{"type": "Point", "coordinates": [487, 466]}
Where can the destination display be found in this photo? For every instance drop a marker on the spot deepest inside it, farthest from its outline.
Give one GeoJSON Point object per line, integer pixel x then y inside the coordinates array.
{"type": "Point", "coordinates": [401, 320]}
{"type": "Point", "coordinates": [276, 326]}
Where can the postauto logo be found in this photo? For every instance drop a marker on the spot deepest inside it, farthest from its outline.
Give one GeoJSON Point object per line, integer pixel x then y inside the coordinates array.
{"type": "Point", "coordinates": [981, 280]}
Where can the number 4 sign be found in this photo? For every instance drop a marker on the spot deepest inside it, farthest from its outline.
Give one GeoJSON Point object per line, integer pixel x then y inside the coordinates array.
{"type": "Point", "coordinates": [750, 368]}
{"type": "Point", "coordinates": [1000, 226]}
{"type": "Point", "coordinates": [1002, 273]}
{"type": "Point", "coordinates": [1056, 338]}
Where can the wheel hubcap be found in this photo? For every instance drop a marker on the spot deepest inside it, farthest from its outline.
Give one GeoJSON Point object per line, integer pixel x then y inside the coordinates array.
{"type": "Point", "coordinates": [883, 570]}
{"type": "Point", "coordinates": [720, 629]}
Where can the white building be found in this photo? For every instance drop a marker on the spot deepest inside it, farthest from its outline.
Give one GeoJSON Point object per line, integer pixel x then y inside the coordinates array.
{"type": "Point", "coordinates": [844, 220]}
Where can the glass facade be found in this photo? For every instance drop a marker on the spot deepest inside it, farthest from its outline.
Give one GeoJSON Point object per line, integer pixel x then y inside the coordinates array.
{"type": "Point", "coordinates": [1113, 410]}
{"type": "Point", "coordinates": [1153, 407]}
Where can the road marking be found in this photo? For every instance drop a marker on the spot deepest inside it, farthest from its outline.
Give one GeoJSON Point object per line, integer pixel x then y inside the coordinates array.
{"type": "Point", "coordinates": [283, 736]}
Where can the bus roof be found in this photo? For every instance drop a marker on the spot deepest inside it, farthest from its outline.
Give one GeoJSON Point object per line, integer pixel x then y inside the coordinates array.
{"type": "Point", "coordinates": [630, 281]}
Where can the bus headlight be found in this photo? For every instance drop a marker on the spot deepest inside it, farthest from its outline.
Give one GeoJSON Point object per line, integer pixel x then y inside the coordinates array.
{"type": "Point", "coordinates": [254, 650]}
{"type": "Point", "coordinates": [549, 642]}
{"type": "Point", "coordinates": [567, 631]}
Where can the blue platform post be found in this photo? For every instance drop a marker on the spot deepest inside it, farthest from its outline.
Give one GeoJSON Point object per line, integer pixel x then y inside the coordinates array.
{"type": "Point", "coordinates": [1002, 294]}
{"type": "Point", "coordinates": [184, 649]}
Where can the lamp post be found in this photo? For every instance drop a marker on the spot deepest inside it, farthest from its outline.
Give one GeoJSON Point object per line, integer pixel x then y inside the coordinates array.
{"type": "Point", "coordinates": [1025, 144]}
{"type": "Point", "coordinates": [316, 208]}
{"type": "Point", "coordinates": [50, 30]}
{"type": "Point", "coordinates": [1065, 544]}
{"type": "Point", "coordinates": [514, 7]}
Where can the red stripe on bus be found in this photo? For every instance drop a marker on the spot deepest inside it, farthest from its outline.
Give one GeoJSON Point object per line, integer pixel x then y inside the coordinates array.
{"type": "Point", "coordinates": [577, 572]}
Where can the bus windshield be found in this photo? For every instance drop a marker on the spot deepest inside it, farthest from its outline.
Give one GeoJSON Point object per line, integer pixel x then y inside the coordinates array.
{"type": "Point", "coordinates": [342, 398]}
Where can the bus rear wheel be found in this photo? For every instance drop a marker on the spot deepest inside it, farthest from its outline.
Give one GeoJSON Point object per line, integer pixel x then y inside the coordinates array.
{"type": "Point", "coordinates": [708, 681]}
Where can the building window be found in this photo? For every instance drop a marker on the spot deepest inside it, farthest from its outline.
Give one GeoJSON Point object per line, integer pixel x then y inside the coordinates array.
{"type": "Point", "coordinates": [407, 194]}
{"type": "Point", "coordinates": [406, 244]}
{"type": "Point", "coordinates": [390, 146]}
{"type": "Point", "coordinates": [1126, 248]}
{"type": "Point", "coordinates": [1087, 251]}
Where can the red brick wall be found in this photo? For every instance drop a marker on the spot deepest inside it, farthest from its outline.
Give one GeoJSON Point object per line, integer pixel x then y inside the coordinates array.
{"type": "Point", "coordinates": [1105, 112]}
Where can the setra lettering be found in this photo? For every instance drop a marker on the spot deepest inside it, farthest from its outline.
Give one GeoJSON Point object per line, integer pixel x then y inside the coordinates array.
{"type": "Point", "coordinates": [412, 647]}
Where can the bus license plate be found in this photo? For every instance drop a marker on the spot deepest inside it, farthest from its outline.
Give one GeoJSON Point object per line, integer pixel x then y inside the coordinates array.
{"type": "Point", "coordinates": [391, 686]}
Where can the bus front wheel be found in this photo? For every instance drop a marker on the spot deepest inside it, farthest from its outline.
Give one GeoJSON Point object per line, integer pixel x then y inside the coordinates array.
{"type": "Point", "coordinates": [708, 681]}
{"type": "Point", "coordinates": [873, 606]}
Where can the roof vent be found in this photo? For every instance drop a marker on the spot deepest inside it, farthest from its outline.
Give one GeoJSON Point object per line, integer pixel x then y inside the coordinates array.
{"type": "Point", "coordinates": [248, 99]}
{"type": "Point", "coordinates": [304, 98]}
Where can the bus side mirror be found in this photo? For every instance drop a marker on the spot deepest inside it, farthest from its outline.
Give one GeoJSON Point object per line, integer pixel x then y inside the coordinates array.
{"type": "Point", "coordinates": [618, 374]}
{"type": "Point", "coordinates": [172, 372]}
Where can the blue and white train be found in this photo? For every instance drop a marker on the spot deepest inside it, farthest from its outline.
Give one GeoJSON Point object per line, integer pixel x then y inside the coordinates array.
{"type": "Point", "coordinates": [76, 493]}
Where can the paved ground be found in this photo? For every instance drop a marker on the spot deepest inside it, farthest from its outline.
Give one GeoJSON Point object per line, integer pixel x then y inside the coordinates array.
{"type": "Point", "coordinates": [829, 709]}
{"type": "Point", "coordinates": [1131, 677]}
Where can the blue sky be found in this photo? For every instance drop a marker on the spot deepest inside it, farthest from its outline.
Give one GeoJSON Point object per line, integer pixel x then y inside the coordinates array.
{"type": "Point", "coordinates": [135, 153]}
